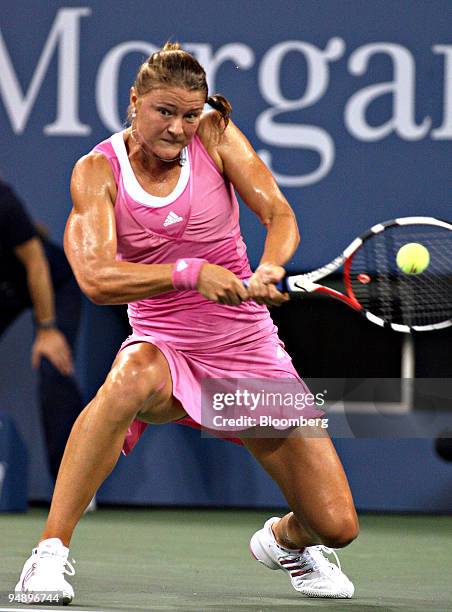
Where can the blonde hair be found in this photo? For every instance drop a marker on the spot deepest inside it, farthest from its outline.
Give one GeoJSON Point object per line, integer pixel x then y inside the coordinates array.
{"type": "Point", "coordinates": [172, 66]}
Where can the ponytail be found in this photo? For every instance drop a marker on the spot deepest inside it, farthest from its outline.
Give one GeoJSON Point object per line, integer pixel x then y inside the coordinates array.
{"type": "Point", "coordinates": [222, 105]}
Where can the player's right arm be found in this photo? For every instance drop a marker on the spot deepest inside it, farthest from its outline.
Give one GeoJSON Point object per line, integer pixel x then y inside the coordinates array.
{"type": "Point", "coordinates": [91, 246]}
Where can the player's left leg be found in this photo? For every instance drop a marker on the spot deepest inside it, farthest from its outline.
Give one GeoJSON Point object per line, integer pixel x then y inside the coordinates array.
{"type": "Point", "coordinates": [308, 471]}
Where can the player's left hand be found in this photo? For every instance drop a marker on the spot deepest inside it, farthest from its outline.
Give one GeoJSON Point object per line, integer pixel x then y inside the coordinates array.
{"type": "Point", "coordinates": [261, 286]}
{"type": "Point", "coordinates": [52, 344]}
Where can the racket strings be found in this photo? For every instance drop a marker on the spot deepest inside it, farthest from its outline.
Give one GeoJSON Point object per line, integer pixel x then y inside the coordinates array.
{"type": "Point", "coordinates": [382, 292]}
{"type": "Point", "coordinates": [408, 299]}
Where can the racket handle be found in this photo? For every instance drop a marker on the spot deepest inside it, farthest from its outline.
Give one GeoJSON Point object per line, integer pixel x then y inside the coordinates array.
{"type": "Point", "coordinates": [281, 286]}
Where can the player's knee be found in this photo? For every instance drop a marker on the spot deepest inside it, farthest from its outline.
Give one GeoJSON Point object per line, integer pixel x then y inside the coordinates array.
{"type": "Point", "coordinates": [340, 532]}
{"type": "Point", "coordinates": [133, 380]}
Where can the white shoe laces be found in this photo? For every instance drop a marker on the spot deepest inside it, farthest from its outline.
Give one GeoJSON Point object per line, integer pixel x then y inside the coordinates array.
{"type": "Point", "coordinates": [56, 563]}
{"type": "Point", "coordinates": [320, 562]}
{"type": "Point", "coordinates": [312, 559]}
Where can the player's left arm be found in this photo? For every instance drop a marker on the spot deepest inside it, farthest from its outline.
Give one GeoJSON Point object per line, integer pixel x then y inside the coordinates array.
{"type": "Point", "coordinates": [255, 184]}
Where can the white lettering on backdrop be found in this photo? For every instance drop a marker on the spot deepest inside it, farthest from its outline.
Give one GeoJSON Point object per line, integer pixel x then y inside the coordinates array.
{"type": "Point", "coordinates": [290, 134]}
{"type": "Point", "coordinates": [64, 35]}
{"type": "Point", "coordinates": [64, 40]}
{"type": "Point", "coordinates": [402, 89]}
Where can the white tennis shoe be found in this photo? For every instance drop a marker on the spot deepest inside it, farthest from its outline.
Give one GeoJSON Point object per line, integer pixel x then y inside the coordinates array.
{"type": "Point", "coordinates": [310, 572]}
{"type": "Point", "coordinates": [42, 579]}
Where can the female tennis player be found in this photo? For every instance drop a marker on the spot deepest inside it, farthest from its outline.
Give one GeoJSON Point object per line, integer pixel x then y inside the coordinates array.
{"type": "Point", "coordinates": [155, 225]}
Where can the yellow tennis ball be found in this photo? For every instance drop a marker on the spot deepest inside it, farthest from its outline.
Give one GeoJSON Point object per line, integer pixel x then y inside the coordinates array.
{"type": "Point", "coordinates": [413, 258]}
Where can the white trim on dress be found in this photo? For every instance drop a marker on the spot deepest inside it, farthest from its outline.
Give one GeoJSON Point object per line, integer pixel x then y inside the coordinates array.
{"type": "Point", "coordinates": [133, 187]}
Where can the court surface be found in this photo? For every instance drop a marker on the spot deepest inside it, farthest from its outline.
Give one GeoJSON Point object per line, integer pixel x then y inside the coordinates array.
{"type": "Point", "coordinates": [155, 559]}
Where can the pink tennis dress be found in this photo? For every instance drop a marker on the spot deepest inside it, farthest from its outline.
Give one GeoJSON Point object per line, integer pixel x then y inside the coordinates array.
{"type": "Point", "coordinates": [199, 338]}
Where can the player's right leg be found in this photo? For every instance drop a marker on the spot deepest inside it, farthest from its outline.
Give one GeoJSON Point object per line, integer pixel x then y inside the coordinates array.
{"type": "Point", "coordinates": [139, 384]}
{"type": "Point", "coordinates": [306, 467]}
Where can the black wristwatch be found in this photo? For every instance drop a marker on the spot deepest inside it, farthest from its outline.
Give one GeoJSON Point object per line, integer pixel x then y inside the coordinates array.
{"type": "Point", "coordinates": [50, 324]}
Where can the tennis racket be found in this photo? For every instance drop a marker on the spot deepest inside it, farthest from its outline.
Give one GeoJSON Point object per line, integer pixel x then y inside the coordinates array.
{"type": "Point", "coordinates": [375, 286]}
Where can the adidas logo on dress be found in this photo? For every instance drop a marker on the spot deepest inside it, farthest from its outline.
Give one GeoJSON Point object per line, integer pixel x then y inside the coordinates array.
{"type": "Point", "coordinates": [171, 219]}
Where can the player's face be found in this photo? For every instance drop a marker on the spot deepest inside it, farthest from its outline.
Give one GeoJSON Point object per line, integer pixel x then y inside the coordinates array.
{"type": "Point", "coordinates": [167, 119]}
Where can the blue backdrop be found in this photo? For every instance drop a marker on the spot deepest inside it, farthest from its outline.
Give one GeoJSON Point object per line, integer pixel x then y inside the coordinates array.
{"type": "Point", "coordinates": [348, 101]}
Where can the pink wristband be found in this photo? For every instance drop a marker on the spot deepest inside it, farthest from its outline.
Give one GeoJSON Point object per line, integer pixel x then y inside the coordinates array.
{"type": "Point", "coordinates": [186, 273]}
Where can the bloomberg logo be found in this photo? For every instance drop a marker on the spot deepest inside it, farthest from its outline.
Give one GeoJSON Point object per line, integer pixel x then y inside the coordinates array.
{"type": "Point", "coordinates": [64, 40]}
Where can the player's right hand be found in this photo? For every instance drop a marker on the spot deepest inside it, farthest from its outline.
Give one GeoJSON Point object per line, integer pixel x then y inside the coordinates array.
{"type": "Point", "coordinates": [221, 285]}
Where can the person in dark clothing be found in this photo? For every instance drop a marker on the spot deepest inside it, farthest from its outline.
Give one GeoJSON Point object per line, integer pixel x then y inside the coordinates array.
{"type": "Point", "coordinates": [34, 273]}
{"type": "Point", "coordinates": [443, 445]}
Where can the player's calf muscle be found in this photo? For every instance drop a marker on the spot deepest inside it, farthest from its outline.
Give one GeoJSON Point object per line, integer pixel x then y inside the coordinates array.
{"type": "Point", "coordinates": [337, 524]}
{"type": "Point", "coordinates": [342, 533]}
{"type": "Point", "coordinates": [335, 527]}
